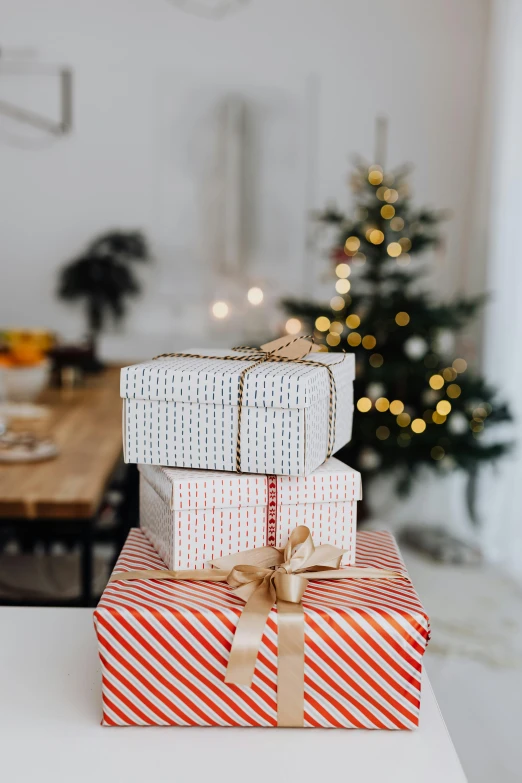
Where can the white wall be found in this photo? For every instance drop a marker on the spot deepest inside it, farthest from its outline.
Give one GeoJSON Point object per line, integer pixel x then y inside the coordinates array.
{"type": "Point", "coordinates": [420, 63]}
{"type": "Point", "coordinates": [502, 159]}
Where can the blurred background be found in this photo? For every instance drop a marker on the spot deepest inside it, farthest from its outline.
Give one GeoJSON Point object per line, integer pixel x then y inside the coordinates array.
{"type": "Point", "coordinates": [198, 173]}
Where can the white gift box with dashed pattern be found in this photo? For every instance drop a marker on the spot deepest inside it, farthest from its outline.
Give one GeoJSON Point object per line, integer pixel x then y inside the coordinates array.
{"type": "Point", "coordinates": [183, 412]}
{"type": "Point", "coordinates": [193, 516]}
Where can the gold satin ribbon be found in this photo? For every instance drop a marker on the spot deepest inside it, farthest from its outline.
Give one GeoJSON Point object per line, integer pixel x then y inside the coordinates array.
{"type": "Point", "coordinates": [263, 577]}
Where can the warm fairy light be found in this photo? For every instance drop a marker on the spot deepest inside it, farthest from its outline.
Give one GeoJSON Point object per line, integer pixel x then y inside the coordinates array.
{"type": "Point", "coordinates": [396, 407]}
{"type": "Point", "coordinates": [322, 323]}
{"type": "Point", "coordinates": [220, 309]}
{"type": "Point", "coordinates": [460, 365]}
{"type": "Point", "coordinates": [405, 243]}
{"type": "Point", "coordinates": [343, 270]}
{"type": "Point", "coordinates": [333, 339]}
{"type": "Point", "coordinates": [444, 407]}
{"type": "Point", "coordinates": [255, 295]}
{"type": "Point", "coordinates": [364, 404]}
{"type": "Point", "coordinates": [418, 425]}
{"type": "Point", "coordinates": [394, 249]}
{"type": "Point", "coordinates": [375, 177]}
{"type": "Point", "coordinates": [376, 360]}
{"type": "Point", "coordinates": [376, 237]}
{"type": "Point", "coordinates": [382, 404]}
{"type": "Point", "coordinates": [380, 192]}
{"type": "Point", "coordinates": [391, 195]}
{"type": "Point", "coordinates": [436, 381]}
{"type": "Point", "coordinates": [479, 413]}
{"type": "Point", "coordinates": [293, 326]}
{"type": "Point", "coordinates": [337, 303]}
{"type": "Point", "coordinates": [354, 339]}
{"type": "Point", "coordinates": [438, 418]}
{"type": "Point", "coordinates": [369, 342]}
{"type": "Point", "coordinates": [382, 433]}
{"type": "Point", "coordinates": [403, 419]}
{"type": "Point", "coordinates": [368, 231]}
{"type": "Point", "coordinates": [342, 286]}
{"type": "Point", "coordinates": [476, 426]}
{"type": "Point", "coordinates": [453, 391]}
{"type": "Point", "coordinates": [437, 452]}
{"type": "Point", "coordinates": [353, 321]}
{"type": "Point", "coordinates": [352, 244]}
{"type": "Point", "coordinates": [402, 319]}
{"type": "Point", "coordinates": [359, 259]}
{"type": "Point", "coordinates": [397, 224]}
{"type": "Point", "coordinates": [404, 259]}
{"type": "Point", "coordinates": [387, 211]}
{"type": "Point", "coordinates": [449, 374]}
{"type": "Point", "coordinates": [336, 327]}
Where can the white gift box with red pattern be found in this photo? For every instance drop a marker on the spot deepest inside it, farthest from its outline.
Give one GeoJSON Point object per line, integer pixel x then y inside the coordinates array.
{"type": "Point", "coordinates": [193, 516]}
{"type": "Point", "coordinates": [183, 411]}
{"type": "Point", "coordinates": [164, 648]}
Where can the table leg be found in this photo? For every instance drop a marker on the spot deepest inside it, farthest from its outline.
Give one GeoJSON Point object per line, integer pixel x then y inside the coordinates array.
{"type": "Point", "coordinates": [86, 563]}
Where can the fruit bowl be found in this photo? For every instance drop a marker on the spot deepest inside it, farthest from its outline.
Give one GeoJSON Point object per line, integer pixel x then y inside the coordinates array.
{"type": "Point", "coordinates": [24, 384]}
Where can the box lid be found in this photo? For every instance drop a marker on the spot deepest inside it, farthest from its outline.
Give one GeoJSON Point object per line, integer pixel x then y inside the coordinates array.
{"type": "Point", "coordinates": [215, 381]}
{"type": "Point", "coordinates": [183, 488]}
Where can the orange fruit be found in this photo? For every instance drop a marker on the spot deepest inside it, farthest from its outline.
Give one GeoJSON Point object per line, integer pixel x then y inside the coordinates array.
{"type": "Point", "coordinates": [26, 354]}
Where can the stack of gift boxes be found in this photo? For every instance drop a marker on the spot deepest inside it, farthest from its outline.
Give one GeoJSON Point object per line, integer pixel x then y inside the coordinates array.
{"type": "Point", "coordinates": [234, 452]}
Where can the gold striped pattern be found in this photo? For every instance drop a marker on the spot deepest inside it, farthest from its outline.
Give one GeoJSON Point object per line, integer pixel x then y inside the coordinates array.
{"type": "Point", "coordinates": [257, 357]}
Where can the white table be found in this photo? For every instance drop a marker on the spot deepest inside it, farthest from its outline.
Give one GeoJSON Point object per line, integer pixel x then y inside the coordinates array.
{"type": "Point", "coordinates": [50, 710]}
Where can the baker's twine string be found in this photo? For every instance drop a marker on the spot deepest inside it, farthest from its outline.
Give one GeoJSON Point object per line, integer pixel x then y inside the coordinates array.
{"type": "Point", "coordinates": [260, 357]}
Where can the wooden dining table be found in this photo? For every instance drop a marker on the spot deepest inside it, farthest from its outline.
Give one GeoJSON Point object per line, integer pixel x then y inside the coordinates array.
{"type": "Point", "coordinates": [61, 497]}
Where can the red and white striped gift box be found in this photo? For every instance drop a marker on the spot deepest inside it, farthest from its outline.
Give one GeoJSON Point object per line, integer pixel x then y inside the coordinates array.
{"type": "Point", "coordinates": [164, 648]}
{"type": "Point", "coordinates": [193, 516]}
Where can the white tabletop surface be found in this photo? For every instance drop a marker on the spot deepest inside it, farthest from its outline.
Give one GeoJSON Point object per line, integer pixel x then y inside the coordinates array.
{"type": "Point", "coordinates": [50, 711]}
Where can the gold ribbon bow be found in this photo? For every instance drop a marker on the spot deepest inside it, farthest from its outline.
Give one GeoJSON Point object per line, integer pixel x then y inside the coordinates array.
{"type": "Point", "coordinates": [281, 350]}
{"type": "Point", "coordinates": [263, 577]}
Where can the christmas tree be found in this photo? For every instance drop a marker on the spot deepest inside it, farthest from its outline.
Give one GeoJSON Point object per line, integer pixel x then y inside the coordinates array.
{"type": "Point", "coordinates": [417, 403]}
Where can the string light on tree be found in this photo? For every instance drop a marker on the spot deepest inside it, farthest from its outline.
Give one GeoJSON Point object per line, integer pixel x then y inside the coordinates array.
{"type": "Point", "coordinates": [436, 381]}
{"type": "Point", "coordinates": [352, 245]}
{"type": "Point", "coordinates": [337, 303]}
{"type": "Point", "coordinates": [397, 224]}
{"type": "Point", "coordinates": [387, 211]}
{"type": "Point", "coordinates": [342, 286]}
{"type": "Point", "coordinates": [418, 425]}
{"type": "Point", "coordinates": [364, 404]}
{"type": "Point", "coordinates": [353, 321]}
{"type": "Point", "coordinates": [396, 407]}
{"type": "Point", "coordinates": [322, 323]}
{"type": "Point", "coordinates": [376, 236]}
{"type": "Point", "coordinates": [394, 249]}
{"type": "Point", "coordinates": [343, 270]}
{"type": "Point", "coordinates": [402, 319]}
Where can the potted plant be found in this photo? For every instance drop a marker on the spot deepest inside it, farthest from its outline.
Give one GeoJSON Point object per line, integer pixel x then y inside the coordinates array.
{"type": "Point", "coordinates": [102, 276]}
